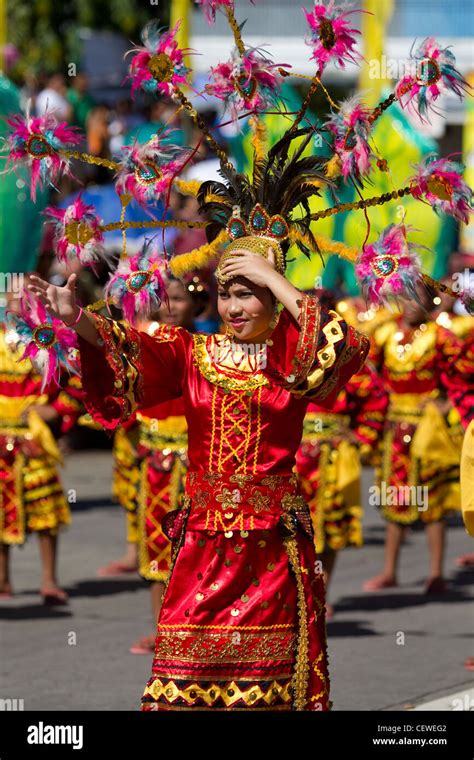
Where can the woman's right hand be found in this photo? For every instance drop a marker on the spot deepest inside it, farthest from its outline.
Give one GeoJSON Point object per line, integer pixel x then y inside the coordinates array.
{"type": "Point", "coordinates": [60, 302]}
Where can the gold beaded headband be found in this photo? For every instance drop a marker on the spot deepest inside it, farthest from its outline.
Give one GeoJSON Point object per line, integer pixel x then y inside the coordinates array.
{"type": "Point", "coordinates": [260, 233]}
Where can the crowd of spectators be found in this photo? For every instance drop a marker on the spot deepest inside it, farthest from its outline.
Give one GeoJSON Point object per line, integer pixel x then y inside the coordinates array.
{"type": "Point", "coordinates": [106, 127]}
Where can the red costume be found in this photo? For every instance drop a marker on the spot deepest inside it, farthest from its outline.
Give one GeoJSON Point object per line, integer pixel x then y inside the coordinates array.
{"type": "Point", "coordinates": [242, 622]}
{"type": "Point", "coordinates": [163, 449]}
{"type": "Point", "coordinates": [150, 464]}
{"type": "Point", "coordinates": [328, 460]}
{"type": "Point", "coordinates": [31, 495]}
{"type": "Point", "coordinates": [418, 451]}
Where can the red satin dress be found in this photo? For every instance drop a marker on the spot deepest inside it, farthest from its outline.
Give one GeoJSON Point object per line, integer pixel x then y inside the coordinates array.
{"type": "Point", "coordinates": [242, 623]}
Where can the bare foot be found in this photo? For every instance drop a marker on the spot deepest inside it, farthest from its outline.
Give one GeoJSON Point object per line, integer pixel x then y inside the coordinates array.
{"type": "Point", "coordinates": [53, 596]}
{"type": "Point", "coordinates": [379, 582]}
{"type": "Point", "coordinates": [6, 591]}
{"type": "Point", "coordinates": [117, 567]}
{"type": "Point", "coordinates": [146, 645]}
{"type": "Point", "coordinates": [465, 560]}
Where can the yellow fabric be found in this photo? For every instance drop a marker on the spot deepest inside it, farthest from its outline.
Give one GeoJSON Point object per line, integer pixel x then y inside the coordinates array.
{"type": "Point", "coordinates": [167, 427]}
{"type": "Point", "coordinates": [432, 442]}
{"type": "Point", "coordinates": [13, 407]}
{"type": "Point", "coordinates": [465, 243]}
{"type": "Point", "coordinates": [374, 26]}
{"type": "Point", "coordinates": [180, 11]}
{"type": "Point", "coordinates": [43, 436]}
{"type": "Point", "coordinates": [85, 420]}
{"type": "Point", "coordinates": [467, 479]}
{"type": "Point", "coordinates": [348, 472]}
{"type": "Point", "coordinates": [11, 411]}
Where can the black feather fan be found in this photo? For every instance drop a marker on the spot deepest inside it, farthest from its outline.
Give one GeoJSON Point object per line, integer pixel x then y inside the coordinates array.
{"type": "Point", "coordinates": [280, 184]}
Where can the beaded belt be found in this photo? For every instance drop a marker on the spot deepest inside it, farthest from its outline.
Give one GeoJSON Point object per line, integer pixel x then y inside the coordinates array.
{"type": "Point", "coordinates": [170, 433]}
{"type": "Point", "coordinates": [227, 502]}
{"type": "Point", "coordinates": [408, 407]}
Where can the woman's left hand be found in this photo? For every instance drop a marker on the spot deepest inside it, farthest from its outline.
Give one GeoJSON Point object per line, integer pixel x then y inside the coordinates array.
{"type": "Point", "coordinates": [253, 266]}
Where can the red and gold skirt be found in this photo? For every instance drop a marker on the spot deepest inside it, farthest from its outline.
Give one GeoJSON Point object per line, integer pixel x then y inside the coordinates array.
{"type": "Point", "coordinates": [329, 471]}
{"type": "Point", "coordinates": [31, 497]}
{"type": "Point", "coordinates": [160, 491]}
{"type": "Point", "coordinates": [242, 624]}
{"type": "Point", "coordinates": [419, 472]}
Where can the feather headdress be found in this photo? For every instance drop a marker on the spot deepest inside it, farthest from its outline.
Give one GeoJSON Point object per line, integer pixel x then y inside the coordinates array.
{"type": "Point", "coordinates": [280, 184]}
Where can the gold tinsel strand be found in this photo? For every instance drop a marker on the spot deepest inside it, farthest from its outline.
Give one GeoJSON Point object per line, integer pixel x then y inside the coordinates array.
{"type": "Point", "coordinates": [259, 138]}
{"type": "Point", "coordinates": [235, 30]}
{"type": "Point", "coordinates": [145, 225]}
{"type": "Point", "coordinates": [187, 187]}
{"type": "Point", "coordinates": [88, 159]}
{"type": "Point", "coordinates": [377, 200]}
{"type": "Point", "coordinates": [198, 258]}
{"type": "Point", "coordinates": [325, 245]}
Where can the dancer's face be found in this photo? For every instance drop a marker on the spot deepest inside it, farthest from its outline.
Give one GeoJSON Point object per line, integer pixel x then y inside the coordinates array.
{"type": "Point", "coordinates": [246, 309]}
{"type": "Point", "coordinates": [181, 310]}
{"type": "Point", "coordinates": [416, 312]}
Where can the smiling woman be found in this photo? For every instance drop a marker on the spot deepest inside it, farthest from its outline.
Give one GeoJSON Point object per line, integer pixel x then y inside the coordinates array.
{"type": "Point", "coordinates": [242, 622]}
{"type": "Point", "coordinates": [247, 309]}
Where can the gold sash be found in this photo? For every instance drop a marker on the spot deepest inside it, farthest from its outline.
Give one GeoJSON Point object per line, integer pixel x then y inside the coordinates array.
{"type": "Point", "coordinates": [432, 442]}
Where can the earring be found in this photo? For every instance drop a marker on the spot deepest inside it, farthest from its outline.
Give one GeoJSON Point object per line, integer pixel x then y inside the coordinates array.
{"type": "Point", "coordinates": [273, 323]}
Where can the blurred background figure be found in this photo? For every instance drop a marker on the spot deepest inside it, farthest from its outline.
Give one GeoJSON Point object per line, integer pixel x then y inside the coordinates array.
{"type": "Point", "coordinates": [80, 100]}
{"type": "Point", "coordinates": [53, 98]}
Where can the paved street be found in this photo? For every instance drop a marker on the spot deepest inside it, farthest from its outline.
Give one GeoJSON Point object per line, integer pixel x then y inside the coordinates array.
{"type": "Point", "coordinates": [77, 658]}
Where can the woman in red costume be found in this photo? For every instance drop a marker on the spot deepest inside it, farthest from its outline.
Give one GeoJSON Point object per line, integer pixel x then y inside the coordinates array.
{"type": "Point", "coordinates": [242, 623]}
{"type": "Point", "coordinates": [32, 499]}
{"type": "Point", "coordinates": [420, 363]}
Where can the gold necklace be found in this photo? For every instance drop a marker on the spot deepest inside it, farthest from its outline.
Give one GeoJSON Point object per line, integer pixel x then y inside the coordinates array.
{"type": "Point", "coordinates": [244, 357]}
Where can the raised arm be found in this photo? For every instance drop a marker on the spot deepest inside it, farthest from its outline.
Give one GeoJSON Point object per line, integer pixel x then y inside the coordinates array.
{"type": "Point", "coordinates": [61, 303]}
{"type": "Point", "coordinates": [122, 369]}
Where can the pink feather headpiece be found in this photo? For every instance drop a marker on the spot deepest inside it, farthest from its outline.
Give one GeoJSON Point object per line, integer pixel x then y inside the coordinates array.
{"type": "Point", "coordinates": [49, 344]}
{"type": "Point", "coordinates": [439, 182]}
{"type": "Point", "coordinates": [37, 142]}
{"type": "Point", "coordinates": [137, 286]}
{"type": "Point", "coordinates": [248, 82]}
{"type": "Point", "coordinates": [147, 171]}
{"type": "Point", "coordinates": [77, 233]}
{"type": "Point", "coordinates": [331, 36]}
{"type": "Point", "coordinates": [158, 67]}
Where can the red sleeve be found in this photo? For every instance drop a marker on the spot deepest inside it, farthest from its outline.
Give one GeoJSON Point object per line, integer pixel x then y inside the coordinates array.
{"type": "Point", "coordinates": [315, 356]}
{"type": "Point", "coordinates": [131, 370]}
{"type": "Point", "coordinates": [68, 402]}
{"type": "Point", "coordinates": [457, 372]}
